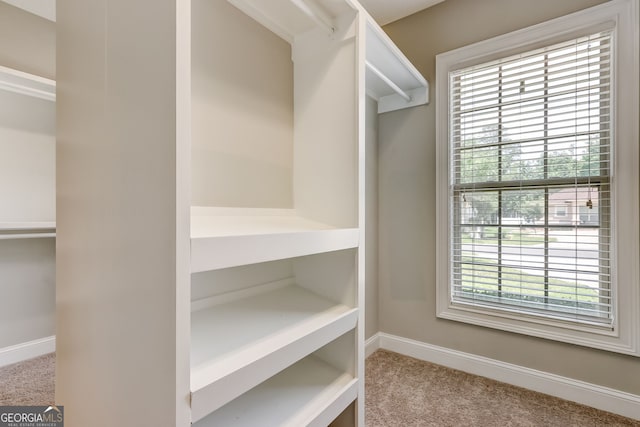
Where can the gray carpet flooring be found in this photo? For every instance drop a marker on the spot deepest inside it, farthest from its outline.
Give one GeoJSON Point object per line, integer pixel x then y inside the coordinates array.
{"type": "Point", "coordinates": [406, 392]}
{"type": "Point", "coordinates": [29, 383]}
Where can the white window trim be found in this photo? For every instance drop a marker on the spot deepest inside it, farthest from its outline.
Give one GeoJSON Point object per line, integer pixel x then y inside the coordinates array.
{"type": "Point", "coordinates": [622, 15]}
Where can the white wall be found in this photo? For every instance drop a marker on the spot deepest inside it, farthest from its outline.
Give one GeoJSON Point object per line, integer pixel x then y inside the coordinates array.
{"type": "Point", "coordinates": [27, 290]}
{"type": "Point", "coordinates": [27, 42]}
{"type": "Point", "coordinates": [243, 94]}
{"type": "Point", "coordinates": [27, 267]}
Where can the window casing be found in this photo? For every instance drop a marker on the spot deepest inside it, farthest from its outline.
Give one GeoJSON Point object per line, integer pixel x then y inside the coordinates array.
{"type": "Point", "coordinates": [531, 132]}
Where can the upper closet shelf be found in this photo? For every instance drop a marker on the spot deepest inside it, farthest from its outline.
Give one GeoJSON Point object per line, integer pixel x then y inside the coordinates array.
{"type": "Point", "coordinates": [391, 79]}
{"type": "Point", "coordinates": [27, 84]}
{"type": "Point", "coordinates": [289, 18]}
{"type": "Point", "coordinates": [229, 237]}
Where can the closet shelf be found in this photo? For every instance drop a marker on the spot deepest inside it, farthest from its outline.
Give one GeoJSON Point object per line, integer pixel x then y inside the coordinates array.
{"type": "Point", "coordinates": [19, 236]}
{"type": "Point", "coordinates": [27, 84]}
{"type": "Point", "coordinates": [391, 79]}
{"type": "Point", "coordinates": [27, 226]}
{"type": "Point", "coordinates": [290, 18]}
{"type": "Point", "coordinates": [238, 343]}
{"type": "Point", "coordinates": [309, 393]}
{"type": "Point", "coordinates": [229, 237]}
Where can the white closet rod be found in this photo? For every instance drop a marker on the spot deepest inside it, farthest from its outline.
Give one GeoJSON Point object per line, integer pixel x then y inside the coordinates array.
{"type": "Point", "coordinates": [313, 12]}
{"type": "Point", "coordinates": [26, 236]}
{"type": "Point", "coordinates": [388, 81]}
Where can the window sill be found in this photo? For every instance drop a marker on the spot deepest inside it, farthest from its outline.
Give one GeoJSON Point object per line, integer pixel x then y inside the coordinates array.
{"type": "Point", "coordinates": [599, 337]}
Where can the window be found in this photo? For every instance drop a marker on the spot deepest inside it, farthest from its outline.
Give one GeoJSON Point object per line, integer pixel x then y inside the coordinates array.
{"type": "Point", "coordinates": [530, 132]}
{"type": "Point", "coordinates": [529, 206]}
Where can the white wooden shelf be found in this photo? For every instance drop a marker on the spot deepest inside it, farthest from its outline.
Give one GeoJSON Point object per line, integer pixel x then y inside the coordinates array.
{"type": "Point", "coordinates": [27, 225]}
{"type": "Point", "coordinates": [309, 393]}
{"type": "Point", "coordinates": [27, 84]}
{"type": "Point", "coordinates": [222, 238]}
{"type": "Point", "coordinates": [238, 343]}
{"type": "Point", "coordinates": [290, 18]}
{"type": "Point", "coordinates": [391, 79]}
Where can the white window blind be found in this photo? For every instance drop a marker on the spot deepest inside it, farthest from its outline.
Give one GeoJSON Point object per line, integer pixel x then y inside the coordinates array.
{"type": "Point", "coordinates": [530, 150]}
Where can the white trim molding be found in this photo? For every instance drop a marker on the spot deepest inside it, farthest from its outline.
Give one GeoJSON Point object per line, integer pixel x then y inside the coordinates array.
{"type": "Point", "coordinates": [371, 344]}
{"type": "Point", "coordinates": [596, 396]}
{"type": "Point", "coordinates": [28, 350]}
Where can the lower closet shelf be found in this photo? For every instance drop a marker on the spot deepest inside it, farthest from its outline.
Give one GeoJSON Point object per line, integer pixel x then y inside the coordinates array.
{"type": "Point", "coordinates": [309, 393]}
{"type": "Point", "coordinates": [238, 343]}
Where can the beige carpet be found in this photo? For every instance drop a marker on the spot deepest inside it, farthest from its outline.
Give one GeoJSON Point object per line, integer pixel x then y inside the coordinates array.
{"type": "Point", "coordinates": [28, 383]}
{"type": "Point", "coordinates": [402, 391]}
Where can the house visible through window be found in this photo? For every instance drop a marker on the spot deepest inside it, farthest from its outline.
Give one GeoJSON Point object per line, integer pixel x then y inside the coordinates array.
{"type": "Point", "coordinates": [537, 186]}
{"type": "Point", "coordinates": [530, 154]}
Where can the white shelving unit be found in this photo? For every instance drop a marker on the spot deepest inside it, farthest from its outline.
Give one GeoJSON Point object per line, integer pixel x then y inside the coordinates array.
{"type": "Point", "coordinates": [259, 199]}
{"type": "Point", "coordinates": [27, 155]}
{"type": "Point", "coordinates": [247, 337]}
{"type": "Point", "coordinates": [255, 337]}
{"type": "Point", "coordinates": [242, 337]}
{"type": "Point", "coordinates": [27, 215]}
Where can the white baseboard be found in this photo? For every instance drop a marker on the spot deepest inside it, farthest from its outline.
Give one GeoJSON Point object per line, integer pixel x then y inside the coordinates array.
{"type": "Point", "coordinates": [28, 350]}
{"type": "Point", "coordinates": [371, 344]}
{"type": "Point", "coordinates": [596, 396]}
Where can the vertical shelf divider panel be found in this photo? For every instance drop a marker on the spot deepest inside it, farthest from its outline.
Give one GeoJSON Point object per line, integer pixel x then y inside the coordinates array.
{"type": "Point", "coordinates": [327, 162]}
{"type": "Point", "coordinates": [325, 166]}
{"type": "Point", "coordinates": [123, 196]}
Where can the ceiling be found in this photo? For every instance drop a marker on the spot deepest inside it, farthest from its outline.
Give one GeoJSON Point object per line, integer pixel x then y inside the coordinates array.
{"type": "Point", "coordinates": [383, 11]}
